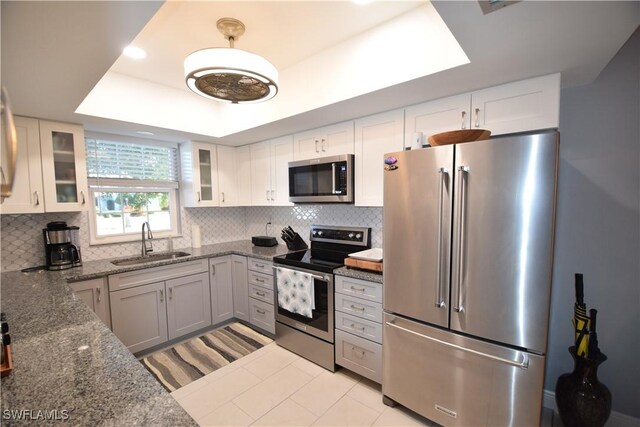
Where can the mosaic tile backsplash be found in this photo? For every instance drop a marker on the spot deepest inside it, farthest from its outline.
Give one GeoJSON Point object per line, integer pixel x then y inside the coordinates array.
{"type": "Point", "coordinates": [21, 243]}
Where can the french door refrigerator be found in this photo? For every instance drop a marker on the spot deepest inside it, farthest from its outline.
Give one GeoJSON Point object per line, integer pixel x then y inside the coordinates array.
{"type": "Point", "coordinates": [468, 245]}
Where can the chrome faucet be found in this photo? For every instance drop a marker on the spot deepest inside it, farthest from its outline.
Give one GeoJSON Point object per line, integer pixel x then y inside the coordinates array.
{"type": "Point", "coordinates": [146, 249]}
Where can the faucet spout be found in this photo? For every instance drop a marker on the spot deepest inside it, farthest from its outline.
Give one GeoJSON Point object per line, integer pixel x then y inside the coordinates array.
{"type": "Point", "coordinates": [147, 246]}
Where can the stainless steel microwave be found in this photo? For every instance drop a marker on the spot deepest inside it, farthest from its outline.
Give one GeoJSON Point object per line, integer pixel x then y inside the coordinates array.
{"type": "Point", "coordinates": [323, 180]}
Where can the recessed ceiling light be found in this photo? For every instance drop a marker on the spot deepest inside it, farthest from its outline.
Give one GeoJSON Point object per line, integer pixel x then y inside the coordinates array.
{"type": "Point", "coordinates": [144, 132]}
{"type": "Point", "coordinates": [134, 52]}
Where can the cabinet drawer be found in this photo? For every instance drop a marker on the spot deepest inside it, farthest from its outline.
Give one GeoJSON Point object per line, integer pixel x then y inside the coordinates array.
{"type": "Point", "coordinates": [150, 275]}
{"type": "Point", "coordinates": [260, 266]}
{"type": "Point", "coordinates": [359, 355]}
{"type": "Point", "coordinates": [361, 327]}
{"type": "Point", "coordinates": [258, 292]}
{"type": "Point", "coordinates": [261, 279]}
{"type": "Point", "coordinates": [359, 307]}
{"type": "Point", "coordinates": [359, 288]}
{"type": "Point", "coordinates": [262, 315]}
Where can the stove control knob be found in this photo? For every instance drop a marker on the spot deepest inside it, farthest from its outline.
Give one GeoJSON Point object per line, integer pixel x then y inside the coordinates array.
{"type": "Point", "coordinates": [320, 233]}
{"type": "Point", "coordinates": [351, 235]}
{"type": "Point", "coordinates": [358, 236]}
{"type": "Point", "coordinates": [314, 232]}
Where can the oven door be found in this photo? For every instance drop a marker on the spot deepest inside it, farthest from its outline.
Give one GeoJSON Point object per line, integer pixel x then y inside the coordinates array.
{"type": "Point", "coordinates": [328, 179]}
{"type": "Point", "coordinates": [321, 324]}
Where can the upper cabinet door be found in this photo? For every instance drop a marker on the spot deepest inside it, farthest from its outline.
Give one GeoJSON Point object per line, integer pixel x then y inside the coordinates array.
{"type": "Point", "coordinates": [261, 174]}
{"type": "Point", "coordinates": [199, 175]}
{"type": "Point", "coordinates": [375, 136]}
{"type": "Point", "coordinates": [437, 116]}
{"type": "Point", "coordinates": [243, 175]}
{"type": "Point", "coordinates": [322, 142]}
{"type": "Point", "coordinates": [27, 195]}
{"type": "Point", "coordinates": [281, 155]}
{"type": "Point", "coordinates": [64, 167]}
{"type": "Point", "coordinates": [227, 178]}
{"type": "Point", "coordinates": [519, 106]}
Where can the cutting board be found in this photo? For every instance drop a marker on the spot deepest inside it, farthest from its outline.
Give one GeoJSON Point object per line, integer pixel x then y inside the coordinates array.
{"type": "Point", "coordinates": [364, 265]}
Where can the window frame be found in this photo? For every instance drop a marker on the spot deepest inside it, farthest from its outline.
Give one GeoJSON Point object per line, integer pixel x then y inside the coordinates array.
{"type": "Point", "coordinates": [122, 185]}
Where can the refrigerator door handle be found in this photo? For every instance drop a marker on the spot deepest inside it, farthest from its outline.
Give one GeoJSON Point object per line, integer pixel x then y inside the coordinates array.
{"type": "Point", "coordinates": [461, 231]}
{"type": "Point", "coordinates": [522, 364]}
{"type": "Point", "coordinates": [439, 300]}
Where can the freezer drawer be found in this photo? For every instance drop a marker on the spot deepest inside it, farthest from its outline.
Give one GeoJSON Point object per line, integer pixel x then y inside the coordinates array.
{"type": "Point", "coordinates": [459, 381]}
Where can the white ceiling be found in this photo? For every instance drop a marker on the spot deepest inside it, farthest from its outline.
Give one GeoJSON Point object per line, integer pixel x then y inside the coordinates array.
{"type": "Point", "coordinates": [54, 53]}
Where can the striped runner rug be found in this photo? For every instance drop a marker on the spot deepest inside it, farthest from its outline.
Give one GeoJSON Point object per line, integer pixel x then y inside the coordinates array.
{"type": "Point", "coordinates": [193, 359]}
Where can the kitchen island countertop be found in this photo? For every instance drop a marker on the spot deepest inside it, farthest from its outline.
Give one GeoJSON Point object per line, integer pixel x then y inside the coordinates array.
{"type": "Point", "coordinates": [66, 360]}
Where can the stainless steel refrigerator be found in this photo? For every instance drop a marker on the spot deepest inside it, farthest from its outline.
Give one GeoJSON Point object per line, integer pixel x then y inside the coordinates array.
{"type": "Point", "coordinates": [468, 247]}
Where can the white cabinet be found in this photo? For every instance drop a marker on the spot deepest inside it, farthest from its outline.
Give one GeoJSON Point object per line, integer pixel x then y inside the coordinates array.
{"type": "Point", "coordinates": [437, 116]}
{"type": "Point", "coordinates": [64, 167]}
{"type": "Point", "coordinates": [199, 174]}
{"type": "Point", "coordinates": [139, 316]}
{"type": "Point", "coordinates": [27, 195]}
{"type": "Point", "coordinates": [95, 293]}
{"type": "Point", "coordinates": [221, 289]}
{"type": "Point", "coordinates": [519, 106]}
{"type": "Point", "coordinates": [188, 304]}
{"type": "Point", "coordinates": [261, 295]}
{"type": "Point", "coordinates": [513, 107]}
{"type": "Point", "coordinates": [270, 172]}
{"type": "Point", "coordinates": [243, 170]}
{"type": "Point", "coordinates": [375, 136]}
{"type": "Point", "coordinates": [240, 287]}
{"type": "Point", "coordinates": [322, 142]}
{"type": "Point", "coordinates": [359, 326]}
{"type": "Point", "coordinates": [51, 169]}
{"type": "Point", "coordinates": [227, 176]}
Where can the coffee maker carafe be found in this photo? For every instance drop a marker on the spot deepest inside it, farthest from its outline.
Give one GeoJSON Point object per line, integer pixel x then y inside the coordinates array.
{"type": "Point", "coordinates": [62, 246]}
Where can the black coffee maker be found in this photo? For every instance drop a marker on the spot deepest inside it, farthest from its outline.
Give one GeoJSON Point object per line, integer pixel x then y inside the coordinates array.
{"type": "Point", "coordinates": [62, 246]}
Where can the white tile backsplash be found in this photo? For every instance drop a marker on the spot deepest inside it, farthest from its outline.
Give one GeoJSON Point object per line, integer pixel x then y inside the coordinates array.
{"type": "Point", "coordinates": [21, 241]}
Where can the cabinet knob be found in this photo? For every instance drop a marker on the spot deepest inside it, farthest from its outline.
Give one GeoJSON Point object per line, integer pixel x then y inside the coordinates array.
{"type": "Point", "coordinates": [161, 295]}
{"type": "Point", "coordinates": [317, 151]}
{"type": "Point", "coordinates": [198, 193]}
{"type": "Point", "coordinates": [98, 292]}
{"type": "Point", "coordinates": [463, 125]}
{"type": "Point", "coordinates": [322, 145]}
{"type": "Point", "coordinates": [223, 197]}
{"type": "Point", "coordinates": [84, 201]}
{"type": "Point", "coordinates": [37, 198]}
{"type": "Point", "coordinates": [477, 123]}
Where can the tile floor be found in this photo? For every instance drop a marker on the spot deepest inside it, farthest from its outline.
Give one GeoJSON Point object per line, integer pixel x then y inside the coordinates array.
{"type": "Point", "coordinates": [274, 387]}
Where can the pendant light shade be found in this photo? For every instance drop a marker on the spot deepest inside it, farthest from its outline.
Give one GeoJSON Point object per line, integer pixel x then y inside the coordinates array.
{"type": "Point", "coordinates": [228, 74]}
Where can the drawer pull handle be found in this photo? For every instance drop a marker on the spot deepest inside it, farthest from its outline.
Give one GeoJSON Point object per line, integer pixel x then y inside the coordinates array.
{"type": "Point", "coordinates": [260, 265]}
{"type": "Point", "coordinates": [357, 308]}
{"type": "Point", "coordinates": [353, 288]}
{"type": "Point", "coordinates": [262, 294]}
{"type": "Point", "coordinates": [98, 292]}
{"type": "Point", "coordinates": [357, 351]}
{"type": "Point", "coordinates": [353, 326]}
{"type": "Point", "coordinates": [261, 311]}
{"type": "Point", "coordinates": [259, 280]}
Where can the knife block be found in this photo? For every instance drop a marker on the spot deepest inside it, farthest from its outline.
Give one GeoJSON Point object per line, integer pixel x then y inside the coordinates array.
{"type": "Point", "coordinates": [297, 244]}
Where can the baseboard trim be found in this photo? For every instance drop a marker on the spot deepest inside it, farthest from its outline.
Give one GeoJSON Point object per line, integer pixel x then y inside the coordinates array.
{"type": "Point", "coordinates": [617, 419]}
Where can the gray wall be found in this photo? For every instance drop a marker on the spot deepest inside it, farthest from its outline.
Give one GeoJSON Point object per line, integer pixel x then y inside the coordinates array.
{"type": "Point", "coordinates": [598, 224]}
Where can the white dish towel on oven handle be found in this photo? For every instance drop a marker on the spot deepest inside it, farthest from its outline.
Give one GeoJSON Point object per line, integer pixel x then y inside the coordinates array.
{"type": "Point", "coordinates": [295, 291]}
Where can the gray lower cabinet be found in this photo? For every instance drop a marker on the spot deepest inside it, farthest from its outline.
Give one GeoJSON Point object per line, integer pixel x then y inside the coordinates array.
{"type": "Point", "coordinates": [139, 316]}
{"type": "Point", "coordinates": [358, 305]}
{"type": "Point", "coordinates": [188, 304]}
{"type": "Point", "coordinates": [261, 294]}
{"type": "Point", "coordinates": [240, 287]}
{"type": "Point", "coordinates": [220, 274]}
{"type": "Point", "coordinates": [95, 293]}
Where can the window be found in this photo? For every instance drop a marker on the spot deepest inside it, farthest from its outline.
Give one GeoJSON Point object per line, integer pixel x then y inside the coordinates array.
{"type": "Point", "coordinates": [131, 182]}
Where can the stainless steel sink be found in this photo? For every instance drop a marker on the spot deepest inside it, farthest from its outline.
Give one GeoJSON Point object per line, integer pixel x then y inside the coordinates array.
{"type": "Point", "coordinates": [150, 258]}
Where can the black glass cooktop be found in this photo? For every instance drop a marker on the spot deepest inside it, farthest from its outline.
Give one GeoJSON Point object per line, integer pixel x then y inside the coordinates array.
{"type": "Point", "coordinates": [323, 261]}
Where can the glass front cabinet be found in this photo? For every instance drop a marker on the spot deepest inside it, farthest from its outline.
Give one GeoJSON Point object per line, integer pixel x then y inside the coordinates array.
{"type": "Point", "coordinates": [64, 168]}
{"type": "Point", "coordinates": [199, 174]}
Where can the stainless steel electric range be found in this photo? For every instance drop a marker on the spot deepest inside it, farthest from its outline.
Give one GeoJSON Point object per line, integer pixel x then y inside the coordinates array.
{"type": "Point", "coordinates": [309, 331]}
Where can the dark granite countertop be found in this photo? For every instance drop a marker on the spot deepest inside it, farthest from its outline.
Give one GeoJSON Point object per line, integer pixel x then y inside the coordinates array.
{"type": "Point", "coordinates": [359, 274]}
{"type": "Point", "coordinates": [66, 359]}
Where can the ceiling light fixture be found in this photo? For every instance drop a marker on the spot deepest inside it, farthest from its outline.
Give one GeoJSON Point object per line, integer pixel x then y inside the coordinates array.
{"type": "Point", "coordinates": [134, 52]}
{"type": "Point", "coordinates": [228, 74]}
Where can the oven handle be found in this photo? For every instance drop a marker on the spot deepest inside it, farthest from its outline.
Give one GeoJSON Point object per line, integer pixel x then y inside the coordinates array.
{"type": "Point", "coordinates": [315, 276]}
